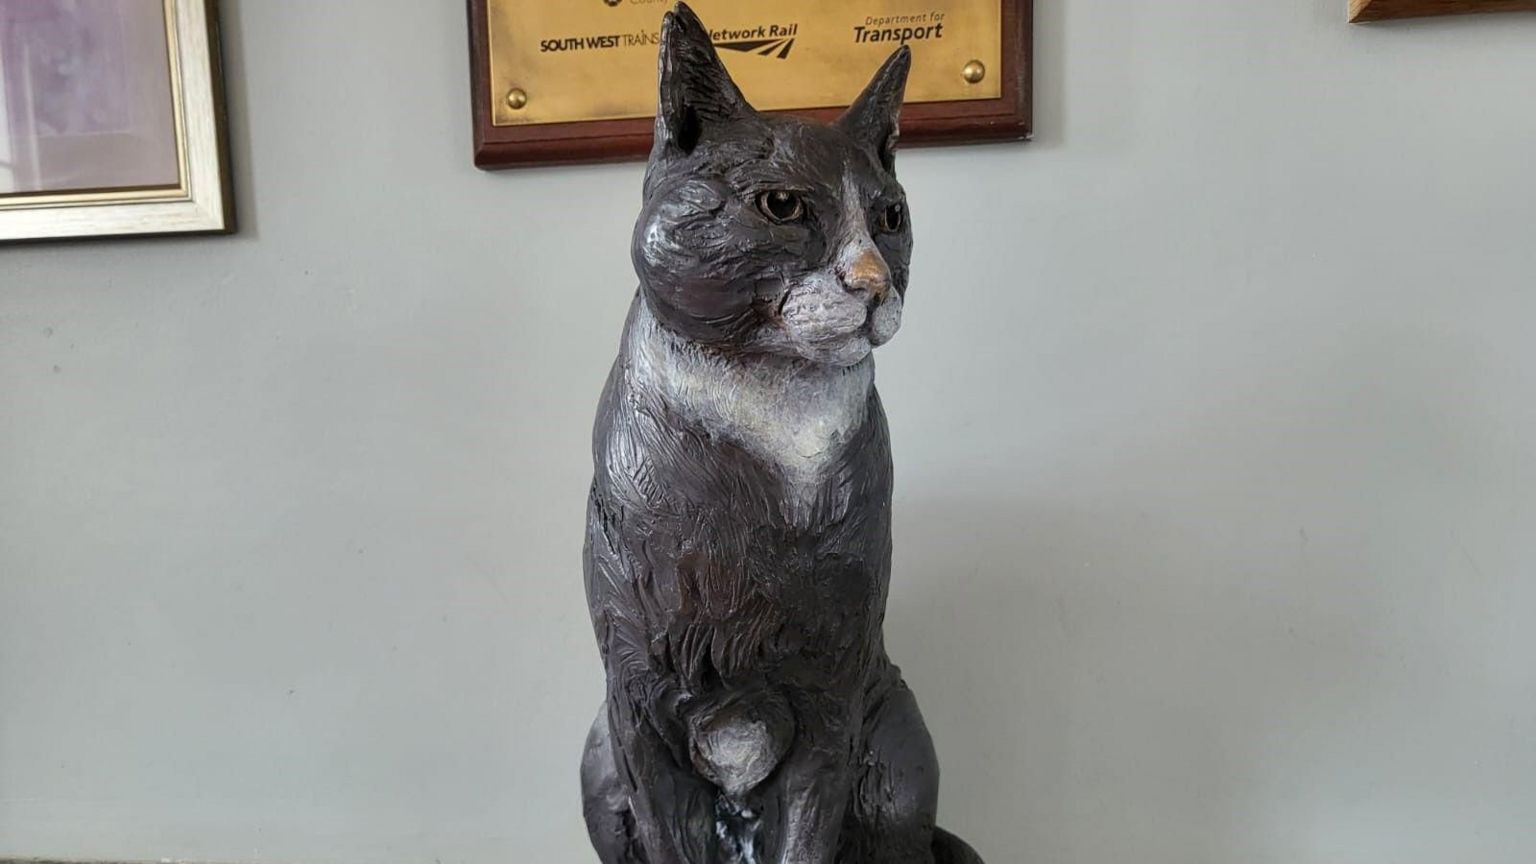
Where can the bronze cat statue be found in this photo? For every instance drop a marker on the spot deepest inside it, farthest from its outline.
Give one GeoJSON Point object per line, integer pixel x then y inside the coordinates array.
{"type": "Point", "coordinates": [739, 527]}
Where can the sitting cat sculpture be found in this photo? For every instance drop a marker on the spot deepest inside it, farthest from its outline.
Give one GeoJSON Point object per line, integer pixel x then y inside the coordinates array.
{"type": "Point", "coordinates": [739, 528]}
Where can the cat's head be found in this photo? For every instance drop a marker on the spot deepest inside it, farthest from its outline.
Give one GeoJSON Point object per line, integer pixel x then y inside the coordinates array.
{"type": "Point", "coordinates": [770, 234]}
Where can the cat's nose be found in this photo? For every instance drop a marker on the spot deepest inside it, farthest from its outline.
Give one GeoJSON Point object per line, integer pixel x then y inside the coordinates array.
{"type": "Point", "coordinates": [868, 274]}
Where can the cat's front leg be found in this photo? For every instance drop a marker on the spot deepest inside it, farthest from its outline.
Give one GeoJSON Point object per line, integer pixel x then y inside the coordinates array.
{"type": "Point", "coordinates": [674, 810]}
{"type": "Point", "coordinates": [809, 798]}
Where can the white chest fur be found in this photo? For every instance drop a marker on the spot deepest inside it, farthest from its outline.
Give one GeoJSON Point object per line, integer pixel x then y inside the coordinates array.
{"type": "Point", "coordinates": [793, 414]}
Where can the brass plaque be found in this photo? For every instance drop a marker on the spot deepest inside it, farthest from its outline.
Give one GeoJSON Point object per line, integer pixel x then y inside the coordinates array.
{"type": "Point", "coordinates": [561, 61]}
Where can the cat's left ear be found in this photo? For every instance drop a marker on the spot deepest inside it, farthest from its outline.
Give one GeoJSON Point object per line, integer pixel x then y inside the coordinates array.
{"type": "Point", "coordinates": [874, 120]}
{"type": "Point", "coordinates": [696, 91]}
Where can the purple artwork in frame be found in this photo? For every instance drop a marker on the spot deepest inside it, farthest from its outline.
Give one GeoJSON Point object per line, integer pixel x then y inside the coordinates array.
{"type": "Point", "coordinates": [87, 101]}
{"type": "Point", "coordinates": [112, 119]}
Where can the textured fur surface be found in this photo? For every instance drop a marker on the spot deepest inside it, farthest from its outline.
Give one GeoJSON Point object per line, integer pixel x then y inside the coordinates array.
{"type": "Point", "coordinates": [738, 536]}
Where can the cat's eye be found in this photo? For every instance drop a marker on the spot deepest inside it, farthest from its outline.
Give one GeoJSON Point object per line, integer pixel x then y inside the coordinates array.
{"type": "Point", "coordinates": [894, 218]}
{"type": "Point", "coordinates": [781, 207]}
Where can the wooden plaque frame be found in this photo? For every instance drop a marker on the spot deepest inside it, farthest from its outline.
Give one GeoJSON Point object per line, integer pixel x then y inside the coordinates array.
{"type": "Point", "coordinates": [1008, 118]}
{"type": "Point", "coordinates": [1381, 10]}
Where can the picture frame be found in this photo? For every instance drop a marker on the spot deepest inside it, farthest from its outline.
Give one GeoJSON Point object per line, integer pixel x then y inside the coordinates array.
{"type": "Point", "coordinates": [1006, 116]}
{"type": "Point", "coordinates": [1361, 11]}
{"type": "Point", "coordinates": [112, 120]}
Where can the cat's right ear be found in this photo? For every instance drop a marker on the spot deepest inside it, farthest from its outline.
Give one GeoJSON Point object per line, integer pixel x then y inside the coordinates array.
{"type": "Point", "coordinates": [696, 90]}
{"type": "Point", "coordinates": [874, 119]}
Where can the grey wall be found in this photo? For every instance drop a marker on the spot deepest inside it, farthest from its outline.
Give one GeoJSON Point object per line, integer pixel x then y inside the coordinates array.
{"type": "Point", "coordinates": [1213, 420]}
